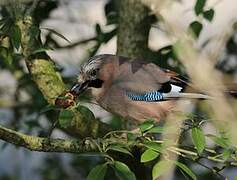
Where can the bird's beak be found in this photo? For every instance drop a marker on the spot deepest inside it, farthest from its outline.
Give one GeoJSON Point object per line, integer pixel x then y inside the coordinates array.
{"type": "Point", "coordinates": [79, 88]}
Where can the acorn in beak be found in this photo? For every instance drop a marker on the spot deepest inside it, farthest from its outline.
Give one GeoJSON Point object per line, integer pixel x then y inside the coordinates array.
{"type": "Point", "coordinates": [79, 88]}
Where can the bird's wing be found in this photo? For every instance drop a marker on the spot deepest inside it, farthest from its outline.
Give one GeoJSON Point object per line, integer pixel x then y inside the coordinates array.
{"type": "Point", "coordinates": [142, 77]}
{"type": "Point", "coordinates": [147, 82]}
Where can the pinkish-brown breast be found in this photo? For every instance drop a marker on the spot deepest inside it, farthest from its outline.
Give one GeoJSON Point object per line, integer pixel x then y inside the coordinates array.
{"type": "Point", "coordinates": [115, 101]}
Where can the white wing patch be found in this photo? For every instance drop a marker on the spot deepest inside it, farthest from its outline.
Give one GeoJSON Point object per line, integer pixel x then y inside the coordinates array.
{"type": "Point", "coordinates": [176, 92]}
{"type": "Point", "coordinates": [175, 88]}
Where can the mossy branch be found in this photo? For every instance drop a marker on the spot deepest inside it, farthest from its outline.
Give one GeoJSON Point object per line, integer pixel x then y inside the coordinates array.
{"type": "Point", "coordinates": [35, 143]}
{"type": "Point", "coordinates": [49, 81]}
{"type": "Point", "coordinates": [40, 66]}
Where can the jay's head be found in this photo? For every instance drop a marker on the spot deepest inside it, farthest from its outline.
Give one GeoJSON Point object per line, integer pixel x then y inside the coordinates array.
{"type": "Point", "coordinates": [93, 73]}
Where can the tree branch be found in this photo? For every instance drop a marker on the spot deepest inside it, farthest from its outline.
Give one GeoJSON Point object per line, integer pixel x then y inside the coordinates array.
{"type": "Point", "coordinates": [43, 72]}
{"type": "Point", "coordinates": [35, 143]}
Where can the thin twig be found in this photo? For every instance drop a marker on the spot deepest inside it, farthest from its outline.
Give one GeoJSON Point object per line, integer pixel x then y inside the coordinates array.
{"type": "Point", "coordinates": [205, 166]}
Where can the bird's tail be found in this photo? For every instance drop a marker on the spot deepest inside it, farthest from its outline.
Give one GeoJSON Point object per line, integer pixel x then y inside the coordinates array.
{"type": "Point", "coordinates": [232, 90]}
{"type": "Point", "coordinates": [193, 95]}
{"type": "Point", "coordinates": [175, 93]}
{"type": "Point", "coordinates": [186, 96]}
{"type": "Point", "coordinates": [233, 93]}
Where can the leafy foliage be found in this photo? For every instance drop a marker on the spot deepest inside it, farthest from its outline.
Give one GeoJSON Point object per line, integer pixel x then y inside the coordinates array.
{"type": "Point", "coordinates": [161, 168]}
{"type": "Point", "coordinates": [199, 6]}
{"type": "Point", "coordinates": [209, 14]}
{"type": "Point", "coordinates": [98, 172]}
{"type": "Point", "coordinates": [122, 171]}
{"type": "Point", "coordinates": [196, 27]}
{"type": "Point", "coordinates": [199, 9]}
{"type": "Point", "coordinates": [198, 139]}
{"type": "Point", "coordinates": [118, 148]}
{"type": "Point", "coordinates": [187, 170]}
{"type": "Point", "coordinates": [64, 116]}
{"type": "Point", "coordinates": [16, 36]}
{"type": "Point", "coordinates": [147, 125]}
{"type": "Point", "coordinates": [149, 155]}
{"type": "Point", "coordinates": [153, 149]}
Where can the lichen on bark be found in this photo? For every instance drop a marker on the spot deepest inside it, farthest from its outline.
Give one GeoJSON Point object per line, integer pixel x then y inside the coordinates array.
{"type": "Point", "coordinates": [35, 143]}
{"type": "Point", "coordinates": [48, 80]}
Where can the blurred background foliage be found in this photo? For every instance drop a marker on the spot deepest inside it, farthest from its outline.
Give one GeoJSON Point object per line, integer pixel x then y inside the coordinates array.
{"type": "Point", "coordinates": [30, 113]}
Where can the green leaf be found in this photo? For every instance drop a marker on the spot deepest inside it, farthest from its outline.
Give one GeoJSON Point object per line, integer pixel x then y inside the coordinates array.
{"type": "Point", "coordinates": [198, 8]}
{"type": "Point", "coordinates": [149, 155]}
{"type": "Point", "coordinates": [65, 118]}
{"type": "Point", "coordinates": [98, 172]}
{"type": "Point", "coordinates": [226, 154]}
{"type": "Point", "coordinates": [86, 113]}
{"type": "Point", "coordinates": [100, 34]}
{"type": "Point", "coordinates": [221, 141]}
{"type": "Point", "coordinates": [119, 149]}
{"type": "Point", "coordinates": [160, 168]}
{"type": "Point", "coordinates": [3, 51]}
{"type": "Point", "coordinates": [123, 172]}
{"type": "Point", "coordinates": [5, 25]}
{"type": "Point", "coordinates": [2, 22]}
{"type": "Point", "coordinates": [187, 170]}
{"type": "Point", "coordinates": [196, 28]}
{"type": "Point", "coordinates": [153, 145]}
{"type": "Point", "coordinates": [209, 14]}
{"type": "Point", "coordinates": [34, 32]}
{"type": "Point", "coordinates": [146, 125]}
{"type": "Point", "coordinates": [98, 29]}
{"type": "Point", "coordinates": [198, 139]}
{"type": "Point", "coordinates": [57, 34]}
{"type": "Point", "coordinates": [9, 59]}
{"type": "Point", "coordinates": [132, 137]}
{"type": "Point", "coordinates": [156, 130]}
{"type": "Point", "coordinates": [6, 55]}
{"type": "Point", "coordinates": [16, 36]}
{"type": "Point", "coordinates": [48, 108]}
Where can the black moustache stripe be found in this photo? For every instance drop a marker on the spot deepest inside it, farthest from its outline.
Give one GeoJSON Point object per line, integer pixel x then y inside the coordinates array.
{"type": "Point", "coordinates": [97, 83]}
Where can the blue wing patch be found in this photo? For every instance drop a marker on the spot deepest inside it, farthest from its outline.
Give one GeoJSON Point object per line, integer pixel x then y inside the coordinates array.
{"type": "Point", "coordinates": [149, 97]}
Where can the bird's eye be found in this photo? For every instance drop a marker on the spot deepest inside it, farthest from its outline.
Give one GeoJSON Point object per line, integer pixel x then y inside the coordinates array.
{"type": "Point", "coordinates": [93, 72]}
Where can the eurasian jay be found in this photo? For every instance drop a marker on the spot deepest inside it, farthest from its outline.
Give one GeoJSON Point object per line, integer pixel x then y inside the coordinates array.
{"type": "Point", "coordinates": [135, 89]}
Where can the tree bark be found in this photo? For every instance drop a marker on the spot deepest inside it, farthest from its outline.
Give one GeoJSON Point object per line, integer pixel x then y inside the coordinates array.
{"type": "Point", "coordinates": [133, 29]}
{"type": "Point", "coordinates": [132, 41]}
{"type": "Point", "coordinates": [35, 143]}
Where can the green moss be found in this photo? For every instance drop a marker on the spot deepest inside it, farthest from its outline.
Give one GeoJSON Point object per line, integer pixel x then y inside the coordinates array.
{"type": "Point", "coordinates": [47, 79]}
